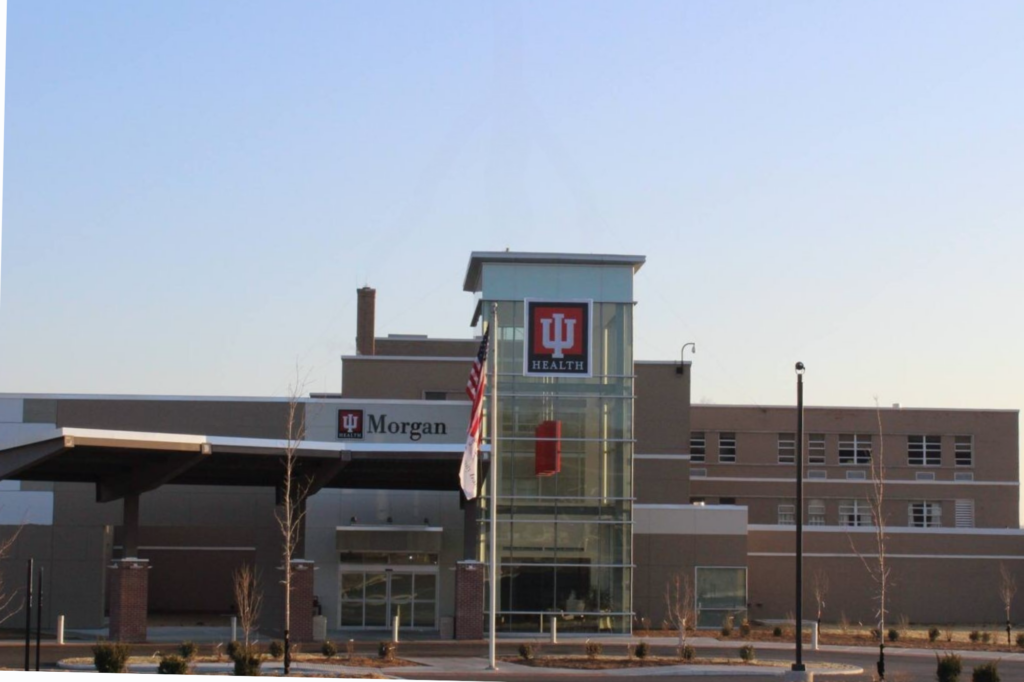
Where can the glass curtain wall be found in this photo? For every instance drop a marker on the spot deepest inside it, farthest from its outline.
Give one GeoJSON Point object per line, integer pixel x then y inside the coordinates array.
{"type": "Point", "coordinates": [565, 540]}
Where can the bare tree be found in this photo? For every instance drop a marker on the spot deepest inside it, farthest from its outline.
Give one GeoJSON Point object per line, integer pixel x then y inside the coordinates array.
{"type": "Point", "coordinates": [8, 596]}
{"type": "Point", "coordinates": [291, 512]}
{"type": "Point", "coordinates": [1007, 591]}
{"type": "Point", "coordinates": [248, 599]}
{"type": "Point", "coordinates": [820, 589]}
{"type": "Point", "coordinates": [877, 566]}
{"type": "Point", "coordinates": [679, 604]}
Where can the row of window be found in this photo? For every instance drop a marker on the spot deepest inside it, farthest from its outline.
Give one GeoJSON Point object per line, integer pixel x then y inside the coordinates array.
{"type": "Point", "coordinates": [922, 514]}
{"type": "Point", "coordinates": [854, 449]}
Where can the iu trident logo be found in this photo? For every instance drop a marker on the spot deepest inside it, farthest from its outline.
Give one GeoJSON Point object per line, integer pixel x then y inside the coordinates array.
{"type": "Point", "coordinates": [557, 338]}
{"type": "Point", "coordinates": [350, 423]}
{"type": "Point", "coordinates": [563, 337]}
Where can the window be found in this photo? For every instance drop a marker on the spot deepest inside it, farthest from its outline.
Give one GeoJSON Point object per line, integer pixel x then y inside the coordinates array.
{"type": "Point", "coordinates": [816, 513]}
{"type": "Point", "coordinates": [817, 474]}
{"type": "Point", "coordinates": [787, 448]}
{"type": "Point", "coordinates": [787, 514]}
{"type": "Point", "coordinates": [435, 395]}
{"type": "Point", "coordinates": [727, 448]}
{"type": "Point", "coordinates": [697, 444]}
{"type": "Point", "coordinates": [965, 513]}
{"type": "Point", "coordinates": [816, 448]}
{"type": "Point", "coordinates": [697, 500]}
{"type": "Point", "coordinates": [924, 476]}
{"type": "Point", "coordinates": [721, 593]}
{"type": "Point", "coordinates": [854, 449]}
{"type": "Point", "coordinates": [963, 449]}
{"type": "Point", "coordinates": [698, 473]}
{"type": "Point", "coordinates": [924, 451]}
{"type": "Point", "coordinates": [925, 514]}
{"type": "Point", "coordinates": [856, 475]}
{"type": "Point", "coordinates": [963, 475]}
{"type": "Point", "coordinates": [726, 500]}
{"type": "Point", "coordinates": [854, 513]}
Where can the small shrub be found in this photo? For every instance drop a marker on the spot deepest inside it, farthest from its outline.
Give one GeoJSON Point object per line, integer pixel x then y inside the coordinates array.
{"type": "Point", "coordinates": [232, 649]}
{"type": "Point", "coordinates": [173, 665]}
{"type": "Point", "coordinates": [111, 657]}
{"type": "Point", "coordinates": [642, 650]}
{"type": "Point", "coordinates": [933, 634]}
{"type": "Point", "coordinates": [329, 649]}
{"type": "Point", "coordinates": [727, 627]}
{"type": "Point", "coordinates": [987, 672]}
{"type": "Point", "coordinates": [974, 636]}
{"type": "Point", "coordinates": [747, 653]}
{"type": "Point", "coordinates": [386, 651]}
{"type": "Point", "coordinates": [948, 668]}
{"type": "Point", "coordinates": [745, 628]}
{"type": "Point", "coordinates": [526, 651]}
{"type": "Point", "coordinates": [986, 637]}
{"type": "Point", "coordinates": [189, 650]}
{"type": "Point", "coordinates": [593, 649]}
{"type": "Point", "coordinates": [687, 652]}
{"type": "Point", "coordinates": [894, 634]}
{"type": "Point", "coordinates": [276, 649]}
{"type": "Point", "coordinates": [247, 661]}
{"type": "Point", "coordinates": [1020, 640]}
{"type": "Point", "coordinates": [350, 648]}
{"type": "Point", "coordinates": [777, 631]}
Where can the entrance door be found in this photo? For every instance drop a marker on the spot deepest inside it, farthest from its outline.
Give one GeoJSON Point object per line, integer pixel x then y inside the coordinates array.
{"type": "Point", "coordinates": [372, 596]}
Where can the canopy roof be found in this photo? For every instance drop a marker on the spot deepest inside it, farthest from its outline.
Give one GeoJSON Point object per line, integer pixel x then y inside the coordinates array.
{"type": "Point", "coordinates": [126, 462]}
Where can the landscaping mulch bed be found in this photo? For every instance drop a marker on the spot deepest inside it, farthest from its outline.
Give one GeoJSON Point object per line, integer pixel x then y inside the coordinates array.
{"type": "Point", "coordinates": [617, 662]}
{"type": "Point", "coordinates": [355, 661]}
{"type": "Point", "coordinates": [914, 639]}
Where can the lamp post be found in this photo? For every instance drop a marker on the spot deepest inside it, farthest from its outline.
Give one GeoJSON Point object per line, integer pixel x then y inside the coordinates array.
{"type": "Point", "coordinates": [681, 369]}
{"type": "Point", "coordinates": [798, 666]}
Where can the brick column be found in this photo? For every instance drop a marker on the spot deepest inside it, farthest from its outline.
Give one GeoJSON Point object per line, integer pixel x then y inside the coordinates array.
{"type": "Point", "coordinates": [129, 599]}
{"type": "Point", "coordinates": [469, 600]}
{"type": "Point", "coordinates": [302, 600]}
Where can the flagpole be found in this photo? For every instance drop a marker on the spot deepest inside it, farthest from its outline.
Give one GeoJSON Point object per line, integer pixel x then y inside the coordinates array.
{"type": "Point", "coordinates": [492, 645]}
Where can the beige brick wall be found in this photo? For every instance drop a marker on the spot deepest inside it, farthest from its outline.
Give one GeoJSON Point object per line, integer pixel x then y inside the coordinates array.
{"type": "Point", "coordinates": [388, 379]}
{"type": "Point", "coordinates": [762, 483]}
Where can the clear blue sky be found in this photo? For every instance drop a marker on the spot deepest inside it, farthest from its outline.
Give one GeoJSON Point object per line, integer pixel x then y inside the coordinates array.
{"type": "Point", "coordinates": [195, 189]}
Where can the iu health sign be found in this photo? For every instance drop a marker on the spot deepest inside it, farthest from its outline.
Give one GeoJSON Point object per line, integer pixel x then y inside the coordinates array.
{"type": "Point", "coordinates": [558, 338]}
{"type": "Point", "coordinates": [353, 424]}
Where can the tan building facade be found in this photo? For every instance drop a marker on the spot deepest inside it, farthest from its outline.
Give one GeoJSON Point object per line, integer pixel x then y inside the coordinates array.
{"type": "Point", "coordinates": [651, 488]}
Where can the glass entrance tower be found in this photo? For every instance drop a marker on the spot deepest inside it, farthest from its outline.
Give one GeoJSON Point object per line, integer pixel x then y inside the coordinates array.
{"type": "Point", "coordinates": [564, 342]}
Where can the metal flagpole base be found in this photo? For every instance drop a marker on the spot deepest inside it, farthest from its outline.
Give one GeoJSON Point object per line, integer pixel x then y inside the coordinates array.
{"type": "Point", "coordinates": [798, 676]}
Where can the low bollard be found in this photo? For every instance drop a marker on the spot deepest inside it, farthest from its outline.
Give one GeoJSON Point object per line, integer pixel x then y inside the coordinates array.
{"type": "Point", "coordinates": [234, 628]}
{"type": "Point", "coordinates": [394, 630]}
{"type": "Point", "coordinates": [60, 629]}
{"type": "Point", "coordinates": [814, 633]}
{"type": "Point", "coordinates": [554, 629]}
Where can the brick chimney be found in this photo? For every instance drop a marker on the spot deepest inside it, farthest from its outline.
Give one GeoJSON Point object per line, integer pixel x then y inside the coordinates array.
{"type": "Point", "coordinates": [365, 320]}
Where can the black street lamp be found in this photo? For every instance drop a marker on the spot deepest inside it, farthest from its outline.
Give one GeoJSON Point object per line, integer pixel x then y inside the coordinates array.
{"type": "Point", "coordinates": [798, 666]}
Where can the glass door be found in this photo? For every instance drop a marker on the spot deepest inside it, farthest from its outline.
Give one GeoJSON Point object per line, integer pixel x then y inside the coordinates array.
{"type": "Point", "coordinates": [371, 597]}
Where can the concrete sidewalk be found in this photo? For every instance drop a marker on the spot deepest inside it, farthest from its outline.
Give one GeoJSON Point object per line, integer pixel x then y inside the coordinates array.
{"type": "Point", "coordinates": [480, 667]}
{"type": "Point", "coordinates": [211, 635]}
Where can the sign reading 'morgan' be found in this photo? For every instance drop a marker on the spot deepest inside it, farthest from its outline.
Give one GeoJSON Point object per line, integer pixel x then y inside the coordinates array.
{"type": "Point", "coordinates": [558, 339]}
{"type": "Point", "coordinates": [352, 425]}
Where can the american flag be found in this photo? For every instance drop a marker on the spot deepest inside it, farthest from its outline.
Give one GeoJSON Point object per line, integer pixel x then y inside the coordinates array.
{"type": "Point", "coordinates": [475, 391]}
